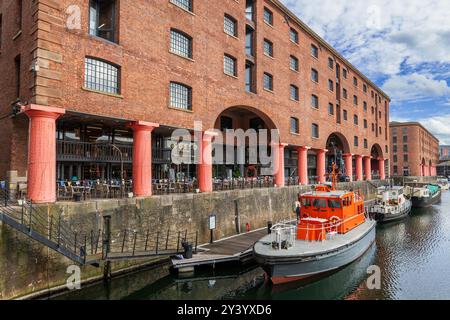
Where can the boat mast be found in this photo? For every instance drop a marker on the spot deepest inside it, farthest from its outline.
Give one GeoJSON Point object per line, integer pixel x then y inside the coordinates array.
{"type": "Point", "coordinates": [334, 177]}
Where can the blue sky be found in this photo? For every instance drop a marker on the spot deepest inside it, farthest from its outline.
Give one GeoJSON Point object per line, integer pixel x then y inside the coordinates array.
{"type": "Point", "coordinates": [402, 46]}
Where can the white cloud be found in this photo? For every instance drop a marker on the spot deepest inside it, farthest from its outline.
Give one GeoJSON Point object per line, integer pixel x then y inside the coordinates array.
{"type": "Point", "coordinates": [439, 126]}
{"type": "Point", "coordinates": [386, 37]}
{"type": "Point", "coordinates": [415, 87]}
{"type": "Point", "coordinates": [390, 31]}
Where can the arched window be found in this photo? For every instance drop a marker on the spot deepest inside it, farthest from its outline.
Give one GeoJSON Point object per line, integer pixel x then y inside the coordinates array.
{"type": "Point", "coordinates": [180, 96]}
{"type": "Point", "coordinates": [180, 43]}
{"type": "Point", "coordinates": [101, 76]}
{"type": "Point", "coordinates": [184, 4]}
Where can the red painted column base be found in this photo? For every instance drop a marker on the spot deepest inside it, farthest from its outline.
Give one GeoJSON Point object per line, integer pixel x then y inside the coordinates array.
{"type": "Point", "coordinates": [42, 152]}
{"type": "Point", "coordinates": [321, 166]}
{"type": "Point", "coordinates": [303, 165]}
{"type": "Point", "coordinates": [279, 164]}
{"type": "Point", "coordinates": [368, 167]}
{"type": "Point", "coordinates": [359, 168]}
{"type": "Point", "coordinates": [142, 158]}
{"type": "Point", "coordinates": [204, 175]}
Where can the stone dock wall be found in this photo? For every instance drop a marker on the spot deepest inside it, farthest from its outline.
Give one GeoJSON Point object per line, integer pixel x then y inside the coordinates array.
{"type": "Point", "coordinates": [27, 267]}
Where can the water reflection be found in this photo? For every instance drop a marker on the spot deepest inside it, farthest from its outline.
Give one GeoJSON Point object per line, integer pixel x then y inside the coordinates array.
{"type": "Point", "coordinates": [413, 256]}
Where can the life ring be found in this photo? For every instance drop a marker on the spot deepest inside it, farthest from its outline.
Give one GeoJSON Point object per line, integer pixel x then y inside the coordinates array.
{"type": "Point", "coordinates": [334, 222]}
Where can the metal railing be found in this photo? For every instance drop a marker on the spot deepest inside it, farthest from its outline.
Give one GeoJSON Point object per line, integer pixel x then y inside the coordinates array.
{"type": "Point", "coordinates": [83, 151]}
{"type": "Point", "coordinates": [55, 232]}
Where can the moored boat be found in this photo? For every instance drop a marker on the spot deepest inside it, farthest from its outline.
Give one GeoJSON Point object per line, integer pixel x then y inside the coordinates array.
{"type": "Point", "coordinates": [333, 232]}
{"type": "Point", "coordinates": [390, 205]}
{"type": "Point", "coordinates": [423, 195]}
{"type": "Point", "coordinates": [443, 183]}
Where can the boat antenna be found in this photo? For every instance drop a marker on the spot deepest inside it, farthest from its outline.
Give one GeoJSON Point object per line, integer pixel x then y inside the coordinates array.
{"type": "Point", "coordinates": [334, 177]}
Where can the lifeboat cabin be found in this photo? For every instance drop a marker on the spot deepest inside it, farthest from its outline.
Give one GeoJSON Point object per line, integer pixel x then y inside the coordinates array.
{"type": "Point", "coordinates": [326, 212]}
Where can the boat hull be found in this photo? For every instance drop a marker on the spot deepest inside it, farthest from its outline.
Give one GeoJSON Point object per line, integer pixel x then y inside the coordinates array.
{"type": "Point", "coordinates": [386, 218]}
{"type": "Point", "coordinates": [425, 202]}
{"type": "Point", "coordinates": [295, 268]}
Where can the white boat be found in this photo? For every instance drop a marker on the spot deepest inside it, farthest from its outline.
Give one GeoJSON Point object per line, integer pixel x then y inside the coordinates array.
{"type": "Point", "coordinates": [390, 205]}
{"type": "Point", "coordinates": [443, 183]}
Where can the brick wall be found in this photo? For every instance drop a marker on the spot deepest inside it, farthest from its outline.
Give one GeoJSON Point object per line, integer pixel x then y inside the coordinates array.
{"type": "Point", "coordinates": [147, 67]}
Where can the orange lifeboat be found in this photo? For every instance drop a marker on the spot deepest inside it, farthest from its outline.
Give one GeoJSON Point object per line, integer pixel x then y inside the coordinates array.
{"type": "Point", "coordinates": [328, 211]}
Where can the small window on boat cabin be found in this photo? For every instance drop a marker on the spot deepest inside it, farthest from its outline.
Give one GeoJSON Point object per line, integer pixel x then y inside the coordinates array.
{"type": "Point", "coordinates": [347, 201]}
{"type": "Point", "coordinates": [320, 203]}
{"type": "Point", "coordinates": [306, 202]}
{"type": "Point", "coordinates": [334, 204]}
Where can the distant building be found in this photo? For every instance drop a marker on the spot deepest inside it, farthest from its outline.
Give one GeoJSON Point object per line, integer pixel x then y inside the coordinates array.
{"type": "Point", "coordinates": [415, 151]}
{"type": "Point", "coordinates": [444, 153]}
{"type": "Point", "coordinates": [443, 169]}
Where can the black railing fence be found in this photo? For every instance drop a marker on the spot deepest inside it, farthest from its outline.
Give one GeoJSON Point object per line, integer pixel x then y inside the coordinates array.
{"type": "Point", "coordinates": [57, 233]}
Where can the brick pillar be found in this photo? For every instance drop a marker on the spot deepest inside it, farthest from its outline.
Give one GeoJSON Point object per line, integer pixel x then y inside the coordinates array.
{"type": "Point", "coordinates": [42, 152]}
{"type": "Point", "coordinates": [278, 148]}
{"type": "Point", "coordinates": [303, 165]}
{"type": "Point", "coordinates": [142, 158]}
{"type": "Point", "coordinates": [359, 167]}
{"type": "Point", "coordinates": [425, 171]}
{"type": "Point", "coordinates": [382, 169]}
{"type": "Point", "coordinates": [348, 158]}
{"type": "Point", "coordinates": [368, 167]}
{"type": "Point", "coordinates": [204, 175]}
{"type": "Point", "coordinates": [321, 165]}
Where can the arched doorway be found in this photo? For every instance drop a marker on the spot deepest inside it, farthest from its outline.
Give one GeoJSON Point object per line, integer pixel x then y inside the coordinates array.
{"type": "Point", "coordinates": [376, 154]}
{"type": "Point", "coordinates": [337, 146]}
{"type": "Point", "coordinates": [245, 161]}
{"type": "Point", "coordinates": [423, 165]}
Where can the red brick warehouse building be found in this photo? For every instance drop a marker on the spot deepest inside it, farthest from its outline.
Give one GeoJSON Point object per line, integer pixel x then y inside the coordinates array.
{"type": "Point", "coordinates": [415, 150]}
{"type": "Point", "coordinates": [102, 81]}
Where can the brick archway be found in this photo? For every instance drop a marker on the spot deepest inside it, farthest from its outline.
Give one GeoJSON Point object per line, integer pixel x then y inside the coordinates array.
{"type": "Point", "coordinates": [244, 113]}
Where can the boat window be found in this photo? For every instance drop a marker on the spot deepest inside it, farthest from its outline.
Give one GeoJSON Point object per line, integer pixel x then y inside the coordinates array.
{"type": "Point", "coordinates": [334, 204]}
{"type": "Point", "coordinates": [347, 202]}
{"type": "Point", "coordinates": [306, 202]}
{"type": "Point", "coordinates": [319, 203]}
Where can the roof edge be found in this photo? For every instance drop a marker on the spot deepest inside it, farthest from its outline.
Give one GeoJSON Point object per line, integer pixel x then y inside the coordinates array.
{"type": "Point", "coordinates": [327, 45]}
{"type": "Point", "coordinates": [411, 123]}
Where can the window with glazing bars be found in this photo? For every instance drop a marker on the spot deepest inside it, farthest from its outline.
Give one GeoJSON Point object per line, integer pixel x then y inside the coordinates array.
{"type": "Point", "coordinates": [268, 81]}
{"type": "Point", "coordinates": [294, 125]}
{"type": "Point", "coordinates": [180, 44]}
{"type": "Point", "coordinates": [294, 63]}
{"type": "Point", "coordinates": [315, 101]}
{"type": "Point", "coordinates": [330, 109]}
{"type": "Point", "coordinates": [185, 4]}
{"type": "Point", "coordinates": [229, 65]}
{"type": "Point", "coordinates": [314, 51]}
{"type": "Point", "coordinates": [101, 76]}
{"type": "Point", "coordinates": [268, 16]}
{"type": "Point", "coordinates": [180, 96]}
{"type": "Point", "coordinates": [268, 48]}
{"type": "Point", "coordinates": [330, 85]}
{"type": "Point", "coordinates": [314, 75]}
{"type": "Point", "coordinates": [294, 35]}
{"type": "Point", "coordinates": [294, 93]}
{"type": "Point", "coordinates": [230, 26]}
{"type": "Point", "coordinates": [315, 130]}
